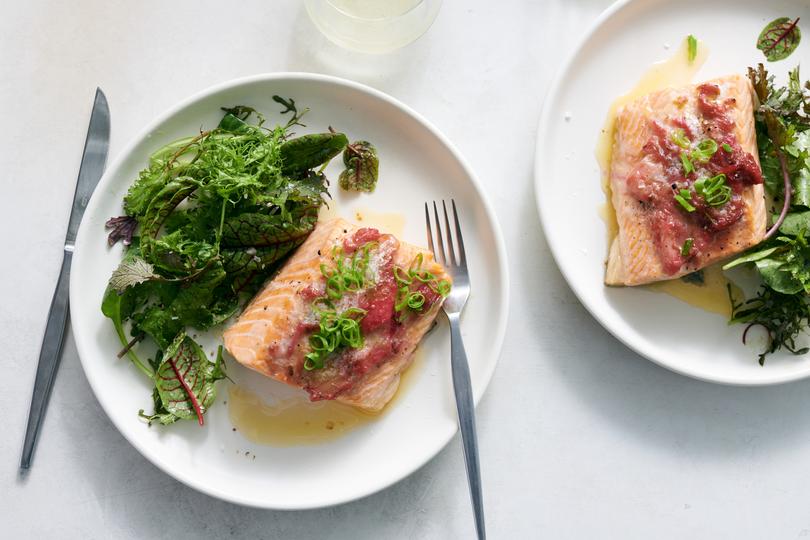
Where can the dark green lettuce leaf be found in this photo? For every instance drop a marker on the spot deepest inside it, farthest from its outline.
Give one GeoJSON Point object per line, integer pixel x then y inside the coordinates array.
{"type": "Point", "coordinates": [240, 260]}
{"type": "Point", "coordinates": [261, 230]}
{"type": "Point", "coordinates": [192, 305]}
{"type": "Point", "coordinates": [782, 262]}
{"type": "Point", "coordinates": [176, 252]}
{"type": "Point", "coordinates": [777, 275]}
{"type": "Point", "coordinates": [311, 151]}
{"type": "Point", "coordinates": [158, 323]}
{"type": "Point", "coordinates": [796, 223]}
{"type": "Point", "coordinates": [162, 204]}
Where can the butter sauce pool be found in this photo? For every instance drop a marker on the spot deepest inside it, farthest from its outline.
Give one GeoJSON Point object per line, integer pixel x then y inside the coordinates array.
{"type": "Point", "coordinates": [296, 421]}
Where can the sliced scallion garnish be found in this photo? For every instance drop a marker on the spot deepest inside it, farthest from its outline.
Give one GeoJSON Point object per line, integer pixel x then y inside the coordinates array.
{"type": "Point", "coordinates": [349, 274]}
{"type": "Point", "coordinates": [704, 151]}
{"type": "Point", "coordinates": [683, 198]}
{"type": "Point", "coordinates": [714, 190]}
{"type": "Point", "coordinates": [691, 48]}
{"type": "Point", "coordinates": [412, 298]}
{"type": "Point", "coordinates": [335, 331]}
{"type": "Point", "coordinates": [688, 168]}
{"type": "Point", "coordinates": [687, 246]}
{"type": "Point", "coordinates": [679, 137]}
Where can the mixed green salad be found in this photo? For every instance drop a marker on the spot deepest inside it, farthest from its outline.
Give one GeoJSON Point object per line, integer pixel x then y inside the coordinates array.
{"type": "Point", "coordinates": [208, 220]}
{"type": "Point", "coordinates": [783, 260]}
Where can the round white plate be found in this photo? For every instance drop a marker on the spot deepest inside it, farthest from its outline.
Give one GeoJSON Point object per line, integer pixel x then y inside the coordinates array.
{"type": "Point", "coordinates": [417, 164]}
{"type": "Point", "coordinates": [622, 45]}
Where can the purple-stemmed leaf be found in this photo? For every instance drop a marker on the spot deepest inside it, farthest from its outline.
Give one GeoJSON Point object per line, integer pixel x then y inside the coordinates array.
{"type": "Point", "coordinates": [121, 228]}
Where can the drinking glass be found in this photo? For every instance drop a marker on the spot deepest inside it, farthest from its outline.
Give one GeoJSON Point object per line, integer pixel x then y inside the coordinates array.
{"type": "Point", "coordinates": [373, 26]}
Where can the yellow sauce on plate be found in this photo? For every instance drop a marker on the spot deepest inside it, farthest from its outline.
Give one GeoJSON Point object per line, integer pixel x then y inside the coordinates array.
{"type": "Point", "coordinates": [712, 295]}
{"type": "Point", "coordinates": [676, 71]}
{"type": "Point", "coordinates": [292, 421]}
{"type": "Point", "coordinates": [386, 222]}
{"type": "Point", "coordinates": [296, 421]}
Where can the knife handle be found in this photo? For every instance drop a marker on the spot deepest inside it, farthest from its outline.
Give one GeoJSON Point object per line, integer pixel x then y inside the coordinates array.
{"type": "Point", "coordinates": [49, 357]}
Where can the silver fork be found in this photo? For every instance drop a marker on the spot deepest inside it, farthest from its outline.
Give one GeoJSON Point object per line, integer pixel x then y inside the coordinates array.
{"type": "Point", "coordinates": [453, 305]}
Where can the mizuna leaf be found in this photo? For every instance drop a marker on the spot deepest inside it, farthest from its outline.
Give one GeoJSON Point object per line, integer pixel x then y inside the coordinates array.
{"type": "Point", "coordinates": [159, 324]}
{"type": "Point", "coordinates": [131, 272]}
{"type": "Point", "coordinates": [779, 38]}
{"type": "Point", "coordinates": [785, 316]}
{"type": "Point", "coordinates": [289, 103]}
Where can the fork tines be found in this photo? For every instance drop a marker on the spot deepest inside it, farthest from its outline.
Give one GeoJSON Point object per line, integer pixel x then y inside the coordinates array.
{"type": "Point", "coordinates": [448, 257]}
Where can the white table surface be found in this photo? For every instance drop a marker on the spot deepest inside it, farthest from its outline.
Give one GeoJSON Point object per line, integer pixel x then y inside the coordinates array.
{"type": "Point", "coordinates": [579, 437]}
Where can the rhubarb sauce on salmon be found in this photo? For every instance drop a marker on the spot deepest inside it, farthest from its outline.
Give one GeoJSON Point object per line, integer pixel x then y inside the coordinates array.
{"type": "Point", "coordinates": [278, 332]}
{"type": "Point", "coordinates": [710, 293]}
{"type": "Point", "coordinates": [668, 146]}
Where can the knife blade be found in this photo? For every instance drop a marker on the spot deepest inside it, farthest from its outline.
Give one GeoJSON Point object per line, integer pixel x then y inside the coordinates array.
{"type": "Point", "coordinates": [93, 159]}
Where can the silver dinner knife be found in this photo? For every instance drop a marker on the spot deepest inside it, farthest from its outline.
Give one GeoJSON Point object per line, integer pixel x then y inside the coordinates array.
{"type": "Point", "coordinates": [93, 160]}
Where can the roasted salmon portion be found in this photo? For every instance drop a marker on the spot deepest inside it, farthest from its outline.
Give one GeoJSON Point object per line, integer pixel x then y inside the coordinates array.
{"type": "Point", "coordinates": [685, 181]}
{"type": "Point", "coordinates": [343, 316]}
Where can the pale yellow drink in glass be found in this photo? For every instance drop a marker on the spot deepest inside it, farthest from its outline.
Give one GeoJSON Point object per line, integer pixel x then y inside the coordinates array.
{"type": "Point", "coordinates": [373, 26]}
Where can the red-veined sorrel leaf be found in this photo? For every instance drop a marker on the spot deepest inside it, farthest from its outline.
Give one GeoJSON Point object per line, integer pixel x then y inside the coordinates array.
{"type": "Point", "coordinates": [185, 380]}
{"type": "Point", "coordinates": [779, 38]}
{"type": "Point", "coordinates": [261, 230]}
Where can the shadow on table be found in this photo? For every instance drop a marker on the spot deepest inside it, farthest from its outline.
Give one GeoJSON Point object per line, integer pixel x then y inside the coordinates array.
{"type": "Point", "coordinates": [643, 400]}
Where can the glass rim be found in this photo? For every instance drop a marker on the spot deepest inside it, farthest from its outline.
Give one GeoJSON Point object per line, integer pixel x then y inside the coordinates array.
{"type": "Point", "coordinates": [394, 17]}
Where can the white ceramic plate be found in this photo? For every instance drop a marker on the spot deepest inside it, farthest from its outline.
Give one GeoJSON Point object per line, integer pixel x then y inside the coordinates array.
{"type": "Point", "coordinates": [417, 164]}
{"type": "Point", "coordinates": [625, 41]}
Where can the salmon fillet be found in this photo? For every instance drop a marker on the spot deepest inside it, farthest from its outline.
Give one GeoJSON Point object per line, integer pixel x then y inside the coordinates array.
{"type": "Point", "coordinates": [272, 335]}
{"type": "Point", "coordinates": [657, 139]}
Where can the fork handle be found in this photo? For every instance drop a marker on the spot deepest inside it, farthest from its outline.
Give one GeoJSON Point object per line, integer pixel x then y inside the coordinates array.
{"type": "Point", "coordinates": [462, 388]}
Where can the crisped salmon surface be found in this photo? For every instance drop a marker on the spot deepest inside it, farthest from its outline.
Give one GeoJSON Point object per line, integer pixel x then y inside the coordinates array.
{"type": "Point", "coordinates": [660, 238]}
{"type": "Point", "coordinates": [272, 335]}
